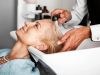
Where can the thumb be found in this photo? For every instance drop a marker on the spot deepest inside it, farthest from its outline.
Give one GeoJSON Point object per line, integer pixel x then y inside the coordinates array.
{"type": "Point", "coordinates": [63, 39]}
{"type": "Point", "coordinates": [57, 11]}
{"type": "Point", "coordinates": [59, 42]}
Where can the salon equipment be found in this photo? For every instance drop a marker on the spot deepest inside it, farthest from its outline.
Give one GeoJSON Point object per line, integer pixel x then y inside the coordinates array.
{"type": "Point", "coordinates": [51, 5]}
{"type": "Point", "coordinates": [32, 16]}
{"type": "Point", "coordinates": [44, 68]}
{"type": "Point", "coordinates": [83, 62]}
{"type": "Point", "coordinates": [38, 16]}
{"type": "Point", "coordinates": [55, 17]}
{"type": "Point", "coordinates": [57, 26]}
{"type": "Point", "coordinates": [45, 13]}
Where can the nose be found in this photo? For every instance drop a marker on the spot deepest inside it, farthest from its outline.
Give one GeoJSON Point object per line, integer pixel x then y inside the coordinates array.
{"type": "Point", "coordinates": [29, 25]}
{"type": "Point", "coordinates": [26, 26]}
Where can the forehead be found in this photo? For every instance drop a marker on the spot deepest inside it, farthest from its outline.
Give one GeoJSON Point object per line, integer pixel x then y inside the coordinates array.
{"type": "Point", "coordinates": [46, 22]}
{"type": "Point", "coordinates": [47, 26]}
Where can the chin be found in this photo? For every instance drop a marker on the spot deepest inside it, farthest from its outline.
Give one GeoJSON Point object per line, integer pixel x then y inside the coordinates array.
{"type": "Point", "coordinates": [19, 34]}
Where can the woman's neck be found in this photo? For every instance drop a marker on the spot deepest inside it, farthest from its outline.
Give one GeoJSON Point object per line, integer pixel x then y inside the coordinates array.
{"type": "Point", "coordinates": [19, 51]}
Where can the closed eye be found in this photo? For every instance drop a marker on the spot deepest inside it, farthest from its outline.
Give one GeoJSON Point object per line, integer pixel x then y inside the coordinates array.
{"type": "Point", "coordinates": [37, 25]}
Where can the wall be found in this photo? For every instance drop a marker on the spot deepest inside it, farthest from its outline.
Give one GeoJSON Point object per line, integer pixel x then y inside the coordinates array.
{"type": "Point", "coordinates": [7, 22]}
{"type": "Point", "coordinates": [53, 4]}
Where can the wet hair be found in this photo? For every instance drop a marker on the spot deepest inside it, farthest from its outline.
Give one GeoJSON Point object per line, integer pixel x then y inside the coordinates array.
{"type": "Point", "coordinates": [51, 38]}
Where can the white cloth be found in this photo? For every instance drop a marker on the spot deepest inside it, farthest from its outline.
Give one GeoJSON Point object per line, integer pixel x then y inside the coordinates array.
{"type": "Point", "coordinates": [78, 12]}
{"type": "Point", "coordinates": [17, 66]}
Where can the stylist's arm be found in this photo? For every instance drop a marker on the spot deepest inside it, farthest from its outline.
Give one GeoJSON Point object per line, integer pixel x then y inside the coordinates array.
{"type": "Point", "coordinates": [74, 37]}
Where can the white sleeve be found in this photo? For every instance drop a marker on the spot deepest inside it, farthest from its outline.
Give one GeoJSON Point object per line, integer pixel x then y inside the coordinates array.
{"type": "Point", "coordinates": [95, 32]}
{"type": "Point", "coordinates": [78, 12]}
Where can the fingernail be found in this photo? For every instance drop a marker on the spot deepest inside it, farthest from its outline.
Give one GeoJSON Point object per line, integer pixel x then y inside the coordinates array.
{"type": "Point", "coordinates": [37, 47]}
{"type": "Point", "coordinates": [59, 42]}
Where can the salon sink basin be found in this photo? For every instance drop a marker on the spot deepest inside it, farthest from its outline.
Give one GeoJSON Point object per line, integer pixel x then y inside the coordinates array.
{"type": "Point", "coordinates": [79, 62]}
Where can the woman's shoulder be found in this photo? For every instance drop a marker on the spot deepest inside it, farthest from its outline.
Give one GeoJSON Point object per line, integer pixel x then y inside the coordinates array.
{"type": "Point", "coordinates": [4, 52]}
{"type": "Point", "coordinates": [19, 67]}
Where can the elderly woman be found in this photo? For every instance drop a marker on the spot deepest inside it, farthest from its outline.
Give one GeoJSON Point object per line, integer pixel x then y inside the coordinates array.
{"type": "Point", "coordinates": [41, 34]}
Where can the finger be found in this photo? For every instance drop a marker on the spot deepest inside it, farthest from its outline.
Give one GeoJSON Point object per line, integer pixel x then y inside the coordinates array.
{"type": "Point", "coordinates": [62, 20]}
{"type": "Point", "coordinates": [65, 36]}
{"type": "Point", "coordinates": [66, 47]}
{"type": "Point", "coordinates": [62, 15]}
{"type": "Point", "coordinates": [70, 44]}
{"type": "Point", "coordinates": [63, 39]}
{"type": "Point", "coordinates": [57, 11]}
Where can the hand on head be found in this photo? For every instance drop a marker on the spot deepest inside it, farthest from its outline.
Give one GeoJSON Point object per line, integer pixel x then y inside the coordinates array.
{"type": "Point", "coordinates": [73, 38]}
{"type": "Point", "coordinates": [65, 15]}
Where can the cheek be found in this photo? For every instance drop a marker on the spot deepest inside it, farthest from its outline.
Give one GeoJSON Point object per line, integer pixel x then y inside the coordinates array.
{"type": "Point", "coordinates": [31, 38]}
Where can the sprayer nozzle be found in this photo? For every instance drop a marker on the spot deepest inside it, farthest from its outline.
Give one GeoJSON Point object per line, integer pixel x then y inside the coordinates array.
{"type": "Point", "coordinates": [56, 17]}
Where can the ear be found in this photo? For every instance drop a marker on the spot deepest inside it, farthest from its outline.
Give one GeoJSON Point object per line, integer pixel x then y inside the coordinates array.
{"type": "Point", "coordinates": [42, 46]}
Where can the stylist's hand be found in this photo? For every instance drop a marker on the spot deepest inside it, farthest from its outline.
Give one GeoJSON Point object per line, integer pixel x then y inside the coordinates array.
{"type": "Point", "coordinates": [65, 15]}
{"type": "Point", "coordinates": [74, 37]}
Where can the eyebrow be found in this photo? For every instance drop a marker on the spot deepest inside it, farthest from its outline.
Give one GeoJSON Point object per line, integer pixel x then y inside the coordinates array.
{"type": "Point", "coordinates": [38, 23]}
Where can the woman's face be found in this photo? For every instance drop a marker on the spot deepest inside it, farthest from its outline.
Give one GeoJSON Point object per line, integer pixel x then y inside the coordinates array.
{"type": "Point", "coordinates": [32, 32]}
